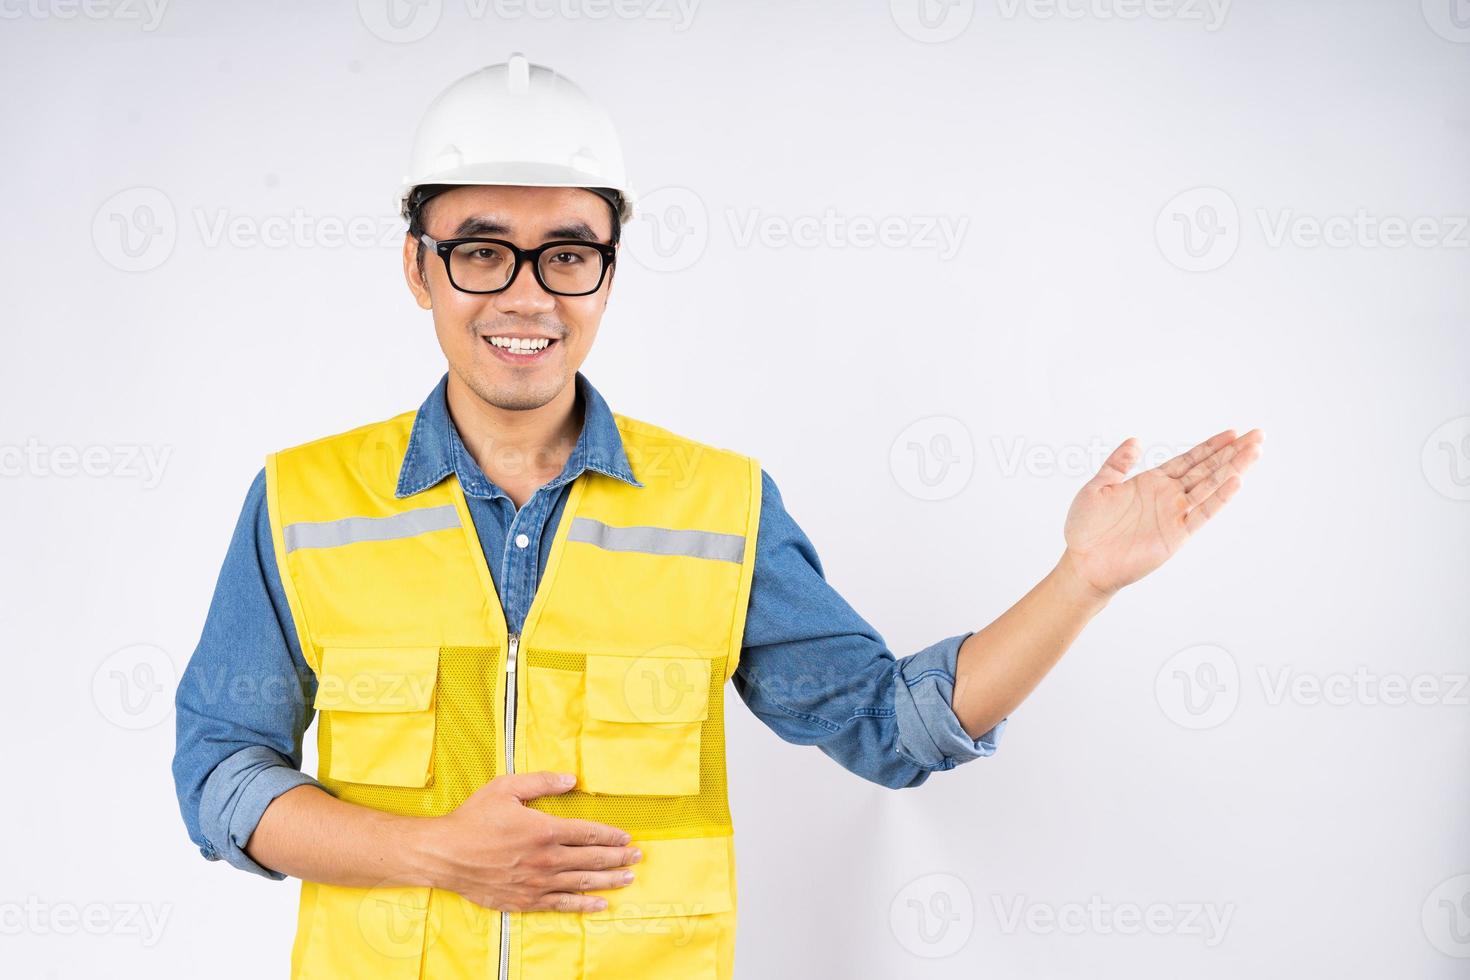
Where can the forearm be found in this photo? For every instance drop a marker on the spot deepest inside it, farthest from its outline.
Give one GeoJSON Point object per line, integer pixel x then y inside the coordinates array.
{"type": "Point", "coordinates": [999, 666]}
{"type": "Point", "coordinates": [309, 834]}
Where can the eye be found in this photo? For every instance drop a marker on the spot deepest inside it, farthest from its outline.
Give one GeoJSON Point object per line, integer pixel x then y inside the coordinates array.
{"type": "Point", "coordinates": [565, 258]}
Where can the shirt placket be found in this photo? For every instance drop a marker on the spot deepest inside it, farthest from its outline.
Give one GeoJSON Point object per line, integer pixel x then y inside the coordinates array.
{"type": "Point", "coordinates": [518, 563]}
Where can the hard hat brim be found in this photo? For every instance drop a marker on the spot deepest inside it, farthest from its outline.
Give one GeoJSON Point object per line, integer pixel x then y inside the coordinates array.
{"type": "Point", "coordinates": [513, 174]}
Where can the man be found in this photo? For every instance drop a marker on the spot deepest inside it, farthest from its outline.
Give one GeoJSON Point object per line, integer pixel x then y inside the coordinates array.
{"type": "Point", "coordinates": [515, 611]}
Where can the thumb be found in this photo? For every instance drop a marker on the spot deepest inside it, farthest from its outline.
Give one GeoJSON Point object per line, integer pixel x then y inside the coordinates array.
{"type": "Point", "coordinates": [529, 785]}
{"type": "Point", "coordinates": [1115, 468]}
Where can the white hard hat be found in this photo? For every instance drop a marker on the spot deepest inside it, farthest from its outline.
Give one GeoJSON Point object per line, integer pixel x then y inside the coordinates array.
{"type": "Point", "coordinates": [518, 123]}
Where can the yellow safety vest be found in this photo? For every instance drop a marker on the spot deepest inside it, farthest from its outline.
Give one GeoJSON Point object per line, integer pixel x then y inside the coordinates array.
{"type": "Point", "coordinates": [618, 675]}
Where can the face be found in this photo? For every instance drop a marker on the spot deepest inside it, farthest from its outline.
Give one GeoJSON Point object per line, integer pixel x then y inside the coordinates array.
{"type": "Point", "coordinates": [476, 330]}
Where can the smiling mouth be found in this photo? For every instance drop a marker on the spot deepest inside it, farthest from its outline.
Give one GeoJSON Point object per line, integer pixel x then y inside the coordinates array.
{"type": "Point", "coordinates": [520, 349]}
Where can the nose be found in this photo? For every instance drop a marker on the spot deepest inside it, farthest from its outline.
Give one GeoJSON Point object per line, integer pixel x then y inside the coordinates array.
{"type": "Point", "coordinates": [524, 295]}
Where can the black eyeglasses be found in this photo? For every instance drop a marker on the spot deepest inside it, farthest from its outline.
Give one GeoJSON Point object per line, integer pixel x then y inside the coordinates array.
{"type": "Point", "coordinates": [489, 265]}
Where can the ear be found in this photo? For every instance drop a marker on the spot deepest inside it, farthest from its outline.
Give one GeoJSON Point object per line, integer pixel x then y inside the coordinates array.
{"type": "Point", "coordinates": [417, 284]}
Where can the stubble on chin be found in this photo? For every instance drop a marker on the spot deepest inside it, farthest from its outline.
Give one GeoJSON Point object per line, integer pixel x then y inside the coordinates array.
{"type": "Point", "coordinates": [515, 396]}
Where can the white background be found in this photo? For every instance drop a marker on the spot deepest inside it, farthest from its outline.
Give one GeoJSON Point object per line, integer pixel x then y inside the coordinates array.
{"type": "Point", "coordinates": [1138, 189]}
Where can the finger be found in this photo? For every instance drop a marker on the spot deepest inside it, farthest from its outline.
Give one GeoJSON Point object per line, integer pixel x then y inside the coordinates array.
{"type": "Point", "coordinates": [589, 881]}
{"type": "Point", "coordinates": [1115, 468]}
{"type": "Point", "coordinates": [587, 833]}
{"type": "Point", "coordinates": [1205, 467]}
{"type": "Point", "coordinates": [529, 785]}
{"type": "Point", "coordinates": [1216, 478]}
{"type": "Point", "coordinates": [579, 858]}
{"type": "Point", "coordinates": [568, 902]}
{"type": "Point", "coordinates": [1211, 505]}
{"type": "Point", "coordinates": [1180, 464]}
{"type": "Point", "coordinates": [1222, 456]}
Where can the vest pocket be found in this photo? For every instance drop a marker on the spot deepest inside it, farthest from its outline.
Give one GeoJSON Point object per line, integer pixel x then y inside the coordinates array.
{"type": "Point", "coordinates": [553, 710]}
{"type": "Point", "coordinates": [672, 922]}
{"type": "Point", "coordinates": [378, 706]}
{"type": "Point", "coordinates": [641, 724]}
{"type": "Point", "coordinates": [364, 932]}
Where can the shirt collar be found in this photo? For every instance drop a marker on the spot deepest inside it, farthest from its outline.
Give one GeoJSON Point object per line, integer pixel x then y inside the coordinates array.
{"type": "Point", "coordinates": [436, 450]}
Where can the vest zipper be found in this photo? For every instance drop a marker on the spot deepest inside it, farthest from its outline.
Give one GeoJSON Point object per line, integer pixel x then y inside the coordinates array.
{"type": "Point", "coordinates": [512, 648]}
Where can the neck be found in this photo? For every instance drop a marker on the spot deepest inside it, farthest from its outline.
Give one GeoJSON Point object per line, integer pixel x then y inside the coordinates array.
{"type": "Point", "coordinates": [520, 450]}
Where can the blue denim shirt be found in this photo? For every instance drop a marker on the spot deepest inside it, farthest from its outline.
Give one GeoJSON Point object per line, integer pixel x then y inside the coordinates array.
{"type": "Point", "coordinates": [810, 667]}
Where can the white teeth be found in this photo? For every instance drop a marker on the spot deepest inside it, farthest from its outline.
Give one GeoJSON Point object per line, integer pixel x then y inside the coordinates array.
{"type": "Point", "coordinates": [520, 345]}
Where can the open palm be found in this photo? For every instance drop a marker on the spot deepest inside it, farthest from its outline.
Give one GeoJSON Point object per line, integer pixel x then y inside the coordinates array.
{"type": "Point", "coordinates": [1120, 529]}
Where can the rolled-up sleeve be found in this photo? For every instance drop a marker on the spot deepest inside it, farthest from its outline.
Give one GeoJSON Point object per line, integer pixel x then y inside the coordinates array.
{"type": "Point", "coordinates": [929, 733]}
{"type": "Point", "coordinates": [243, 703]}
{"type": "Point", "coordinates": [816, 673]}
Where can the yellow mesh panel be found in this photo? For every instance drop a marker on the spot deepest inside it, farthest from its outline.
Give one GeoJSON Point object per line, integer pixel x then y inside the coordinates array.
{"type": "Point", "coordinates": [465, 753]}
{"type": "Point", "coordinates": [652, 817]}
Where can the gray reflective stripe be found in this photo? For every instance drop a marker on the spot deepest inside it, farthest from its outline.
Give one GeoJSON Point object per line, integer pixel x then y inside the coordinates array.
{"type": "Point", "coordinates": [659, 540]}
{"type": "Point", "coordinates": [329, 534]}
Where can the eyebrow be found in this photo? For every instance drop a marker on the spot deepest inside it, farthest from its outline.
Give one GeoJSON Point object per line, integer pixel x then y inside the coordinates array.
{"type": "Point", "coordinates": [480, 225]}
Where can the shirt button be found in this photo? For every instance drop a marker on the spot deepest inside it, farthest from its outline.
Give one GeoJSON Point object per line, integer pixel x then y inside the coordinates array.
{"type": "Point", "coordinates": [522, 540]}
